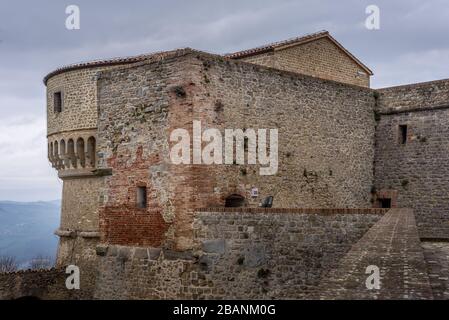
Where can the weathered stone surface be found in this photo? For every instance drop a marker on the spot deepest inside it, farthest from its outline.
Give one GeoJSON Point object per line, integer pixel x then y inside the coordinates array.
{"type": "Point", "coordinates": [284, 256]}
{"type": "Point", "coordinates": [101, 250]}
{"type": "Point", "coordinates": [140, 253]}
{"type": "Point", "coordinates": [320, 58]}
{"type": "Point", "coordinates": [178, 255]}
{"type": "Point", "coordinates": [255, 255]}
{"type": "Point", "coordinates": [313, 162]}
{"type": "Point", "coordinates": [417, 170]}
{"type": "Point", "coordinates": [40, 284]}
{"type": "Point", "coordinates": [124, 253]}
{"type": "Point", "coordinates": [154, 253]}
{"type": "Point", "coordinates": [214, 246]}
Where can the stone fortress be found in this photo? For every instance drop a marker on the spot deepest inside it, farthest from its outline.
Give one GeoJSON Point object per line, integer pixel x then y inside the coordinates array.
{"type": "Point", "coordinates": [362, 179]}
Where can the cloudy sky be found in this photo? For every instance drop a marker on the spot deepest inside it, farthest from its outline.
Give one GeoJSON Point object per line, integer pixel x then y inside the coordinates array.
{"type": "Point", "coordinates": [412, 45]}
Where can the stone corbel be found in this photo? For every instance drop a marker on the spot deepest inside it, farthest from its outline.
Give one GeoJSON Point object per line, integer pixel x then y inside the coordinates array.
{"type": "Point", "coordinates": [65, 233]}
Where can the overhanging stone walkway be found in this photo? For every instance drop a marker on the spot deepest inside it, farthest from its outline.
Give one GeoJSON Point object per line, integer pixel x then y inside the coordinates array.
{"type": "Point", "coordinates": [393, 245]}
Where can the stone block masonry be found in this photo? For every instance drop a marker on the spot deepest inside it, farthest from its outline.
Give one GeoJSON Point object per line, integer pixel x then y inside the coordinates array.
{"type": "Point", "coordinates": [416, 166]}
{"type": "Point", "coordinates": [326, 142]}
{"type": "Point", "coordinates": [320, 58]}
{"type": "Point", "coordinates": [238, 254]}
{"type": "Point", "coordinates": [40, 284]}
{"type": "Point", "coordinates": [260, 253]}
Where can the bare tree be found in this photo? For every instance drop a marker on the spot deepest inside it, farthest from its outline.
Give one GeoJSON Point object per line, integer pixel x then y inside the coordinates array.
{"type": "Point", "coordinates": [8, 264]}
{"type": "Point", "coordinates": [41, 262]}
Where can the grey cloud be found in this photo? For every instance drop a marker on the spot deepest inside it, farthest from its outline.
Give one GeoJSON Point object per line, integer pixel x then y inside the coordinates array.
{"type": "Point", "coordinates": [411, 46]}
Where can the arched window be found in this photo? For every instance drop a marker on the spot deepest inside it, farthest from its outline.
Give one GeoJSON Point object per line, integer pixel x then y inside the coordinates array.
{"type": "Point", "coordinates": [56, 155]}
{"type": "Point", "coordinates": [56, 150]}
{"type": "Point", "coordinates": [80, 151]}
{"type": "Point", "coordinates": [62, 144]}
{"type": "Point", "coordinates": [91, 151]}
{"type": "Point", "coordinates": [234, 201]}
{"type": "Point", "coordinates": [50, 151]}
{"type": "Point", "coordinates": [63, 152]}
{"type": "Point", "coordinates": [71, 153]}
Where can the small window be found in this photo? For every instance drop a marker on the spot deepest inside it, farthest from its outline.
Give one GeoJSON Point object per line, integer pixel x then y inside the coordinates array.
{"type": "Point", "coordinates": [402, 134]}
{"type": "Point", "coordinates": [142, 197]}
{"type": "Point", "coordinates": [57, 102]}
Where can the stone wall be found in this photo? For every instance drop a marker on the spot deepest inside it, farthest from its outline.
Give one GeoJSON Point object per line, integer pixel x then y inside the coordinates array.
{"type": "Point", "coordinates": [258, 253]}
{"type": "Point", "coordinates": [326, 135]}
{"type": "Point", "coordinates": [136, 111]}
{"type": "Point", "coordinates": [39, 284]}
{"type": "Point", "coordinates": [238, 254]}
{"type": "Point", "coordinates": [79, 110]}
{"type": "Point", "coordinates": [326, 142]}
{"type": "Point", "coordinates": [319, 58]}
{"type": "Point", "coordinates": [416, 170]}
{"type": "Point", "coordinates": [79, 90]}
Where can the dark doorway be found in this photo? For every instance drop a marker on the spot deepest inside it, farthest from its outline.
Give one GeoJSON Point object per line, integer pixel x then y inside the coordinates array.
{"type": "Point", "coordinates": [235, 201]}
{"type": "Point", "coordinates": [385, 203]}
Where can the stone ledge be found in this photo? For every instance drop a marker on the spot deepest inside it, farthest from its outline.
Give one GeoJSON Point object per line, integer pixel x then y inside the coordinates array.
{"type": "Point", "coordinates": [65, 233]}
{"type": "Point", "coordinates": [75, 173]}
{"type": "Point", "coordinates": [84, 172]}
{"type": "Point", "coordinates": [324, 211]}
{"type": "Point", "coordinates": [73, 233]}
{"type": "Point", "coordinates": [89, 234]}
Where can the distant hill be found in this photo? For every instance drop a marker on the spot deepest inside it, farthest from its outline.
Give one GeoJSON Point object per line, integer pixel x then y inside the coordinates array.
{"type": "Point", "coordinates": [26, 229]}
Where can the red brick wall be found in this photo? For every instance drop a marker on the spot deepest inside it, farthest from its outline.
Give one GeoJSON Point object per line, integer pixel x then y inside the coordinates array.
{"type": "Point", "coordinates": [121, 221]}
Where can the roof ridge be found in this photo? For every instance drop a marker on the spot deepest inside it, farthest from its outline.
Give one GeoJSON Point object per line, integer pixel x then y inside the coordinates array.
{"type": "Point", "coordinates": [272, 45]}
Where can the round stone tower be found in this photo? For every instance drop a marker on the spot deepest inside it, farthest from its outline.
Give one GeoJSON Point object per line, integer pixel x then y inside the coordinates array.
{"type": "Point", "coordinates": [72, 113]}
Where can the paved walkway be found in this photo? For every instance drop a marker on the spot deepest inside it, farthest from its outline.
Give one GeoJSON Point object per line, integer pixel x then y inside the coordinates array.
{"type": "Point", "coordinates": [393, 245]}
{"type": "Point", "coordinates": [437, 258]}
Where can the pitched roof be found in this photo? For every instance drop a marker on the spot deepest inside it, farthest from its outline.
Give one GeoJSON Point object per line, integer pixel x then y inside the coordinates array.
{"type": "Point", "coordinates": [294, 42]}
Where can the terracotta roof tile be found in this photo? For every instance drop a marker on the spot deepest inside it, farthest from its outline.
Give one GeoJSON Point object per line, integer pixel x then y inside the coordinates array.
{"type": "Point", "coordinates": [117, 61]}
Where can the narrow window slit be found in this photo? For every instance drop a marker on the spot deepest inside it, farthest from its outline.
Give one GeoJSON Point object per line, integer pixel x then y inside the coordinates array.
{"type": "Point", "coordinates": [141, 197]}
